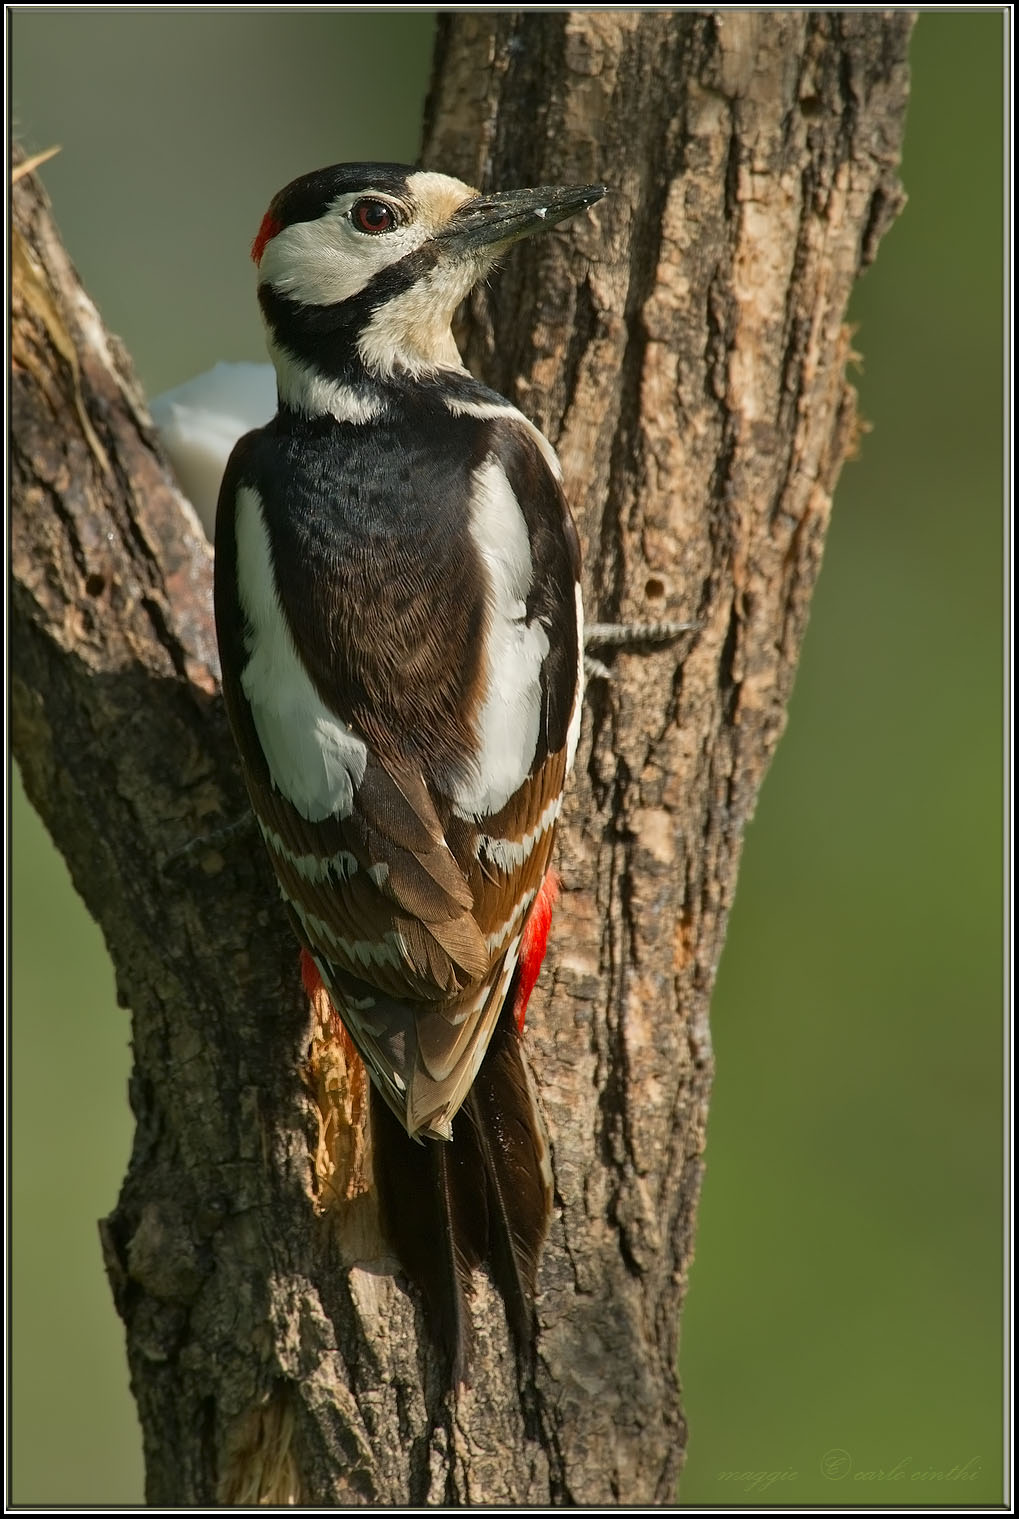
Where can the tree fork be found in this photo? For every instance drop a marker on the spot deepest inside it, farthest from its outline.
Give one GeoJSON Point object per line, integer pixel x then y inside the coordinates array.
{"type": "Point", "coordinates": [685, 349]}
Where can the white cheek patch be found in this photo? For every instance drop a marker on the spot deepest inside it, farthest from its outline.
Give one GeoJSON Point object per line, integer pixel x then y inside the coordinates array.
{"type": "Point", "coordinates": [326, 261]}
{"type": "Point", "coordinates": [510, 716]}
{"type": "Point", "coordinates": [315, 760]}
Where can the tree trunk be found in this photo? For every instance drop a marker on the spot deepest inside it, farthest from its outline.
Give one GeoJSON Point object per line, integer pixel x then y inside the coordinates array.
{"type": "Point", "coordinates": [684, 347]}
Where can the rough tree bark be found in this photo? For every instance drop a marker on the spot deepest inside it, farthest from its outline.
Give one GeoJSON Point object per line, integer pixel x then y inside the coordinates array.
{"type": "Point", "coordinates": [684, 346]}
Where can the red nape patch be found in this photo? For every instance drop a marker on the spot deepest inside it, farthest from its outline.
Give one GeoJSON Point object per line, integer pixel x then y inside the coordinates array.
{"type": "Point", "coordinates": [266, 232]}
{"type": "Point", "coordinates": [533, 944]}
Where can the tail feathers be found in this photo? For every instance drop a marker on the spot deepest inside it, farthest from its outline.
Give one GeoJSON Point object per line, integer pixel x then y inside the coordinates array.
{"type": "Point", "coordinates": [432, 1197]}
{"type": "Point", "coordinates": [514, 1148]}
{"type": "Point", "coordinates": [481, 1198]}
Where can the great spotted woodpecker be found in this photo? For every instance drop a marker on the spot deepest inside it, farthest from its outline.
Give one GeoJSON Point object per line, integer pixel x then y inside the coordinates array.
{"type": "Point", "coordinates": [400, 625]}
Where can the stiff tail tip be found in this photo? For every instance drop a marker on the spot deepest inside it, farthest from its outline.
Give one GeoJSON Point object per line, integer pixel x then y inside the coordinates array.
{"type": "Point", "coordinates": [483, 1198]}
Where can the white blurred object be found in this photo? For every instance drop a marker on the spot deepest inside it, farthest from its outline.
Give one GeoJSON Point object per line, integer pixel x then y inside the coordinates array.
{"type": "Point", "coordinates": [200, 421]}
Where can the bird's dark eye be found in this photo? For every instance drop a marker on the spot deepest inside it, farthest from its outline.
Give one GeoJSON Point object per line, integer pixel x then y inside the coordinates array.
{"type": "Point", "coordinates": [373, 216]}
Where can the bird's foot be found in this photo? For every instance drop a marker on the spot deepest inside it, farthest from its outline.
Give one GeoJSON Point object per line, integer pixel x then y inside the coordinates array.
{"type": "Point", "coordinates": [637, 637]}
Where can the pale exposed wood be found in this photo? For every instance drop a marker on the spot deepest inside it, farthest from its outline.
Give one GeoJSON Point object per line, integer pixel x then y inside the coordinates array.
{"type": "Point", "coordinates": [684, 345]}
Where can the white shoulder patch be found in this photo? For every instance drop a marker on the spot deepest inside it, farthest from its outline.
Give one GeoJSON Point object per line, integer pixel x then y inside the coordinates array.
{"type": "Point", "coordinates": [314, 758]}
{"type": "Point", "coordinates": [573, 732]}
{"type": "Point", "coordinates": [514, 649]}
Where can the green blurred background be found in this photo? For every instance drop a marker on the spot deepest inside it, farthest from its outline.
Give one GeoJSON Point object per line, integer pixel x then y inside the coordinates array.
{"type": "Point", "coordinates": [842, 1341]}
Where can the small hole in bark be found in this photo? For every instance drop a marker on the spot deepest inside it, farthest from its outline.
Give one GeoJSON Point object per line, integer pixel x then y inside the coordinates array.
{"type": "Point", "coordinates": [655, 588]}
{"type": "Point", "coordinates": [95, 585]}
{"type": "Point", "coordinates": [810, 105]}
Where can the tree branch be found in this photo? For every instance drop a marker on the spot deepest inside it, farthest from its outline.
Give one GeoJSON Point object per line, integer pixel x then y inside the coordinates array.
{"type": "Point", "coordinates": [685, 350]}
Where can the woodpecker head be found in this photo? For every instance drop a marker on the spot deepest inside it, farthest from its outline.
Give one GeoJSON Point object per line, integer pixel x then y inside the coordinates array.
{"type": "Point", "coordinates": [361, 266]}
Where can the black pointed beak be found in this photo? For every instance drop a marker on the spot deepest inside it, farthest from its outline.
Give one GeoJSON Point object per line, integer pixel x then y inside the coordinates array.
{"type": "Point", "coordinates": [492, 221]}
